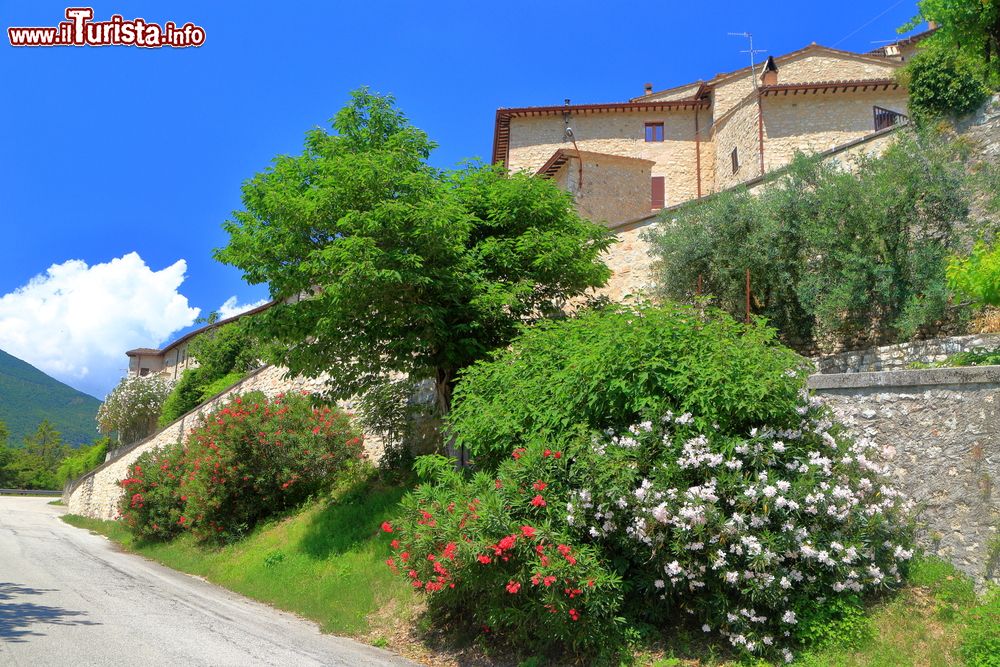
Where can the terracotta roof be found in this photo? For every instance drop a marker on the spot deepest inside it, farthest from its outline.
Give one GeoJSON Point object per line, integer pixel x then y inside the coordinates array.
{"type": "Point", "coordinates": [792, 54]}
{"type": "Point", "coordinates": [912, 39]}
{"type": "Point", "coordinates": [852, 85]}
{"type": "Point", "coordinates": [562, 155]}
{"type": "Point", "coordinates": [191, 334]}
{"type": "Point", "coordinates": [501, 132]}
{"type": "Point", "coordinates": [141, 351]}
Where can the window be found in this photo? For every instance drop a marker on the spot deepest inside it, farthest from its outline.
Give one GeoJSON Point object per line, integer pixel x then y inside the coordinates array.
{"type": "Point", "coordinates": [658, 197]}
{"type": "Point", "coordinates": [654, 131]}
{"type": "Point", "coordinates": [735, 158]}
{"type": "Point", "coordinates": [143, 372]}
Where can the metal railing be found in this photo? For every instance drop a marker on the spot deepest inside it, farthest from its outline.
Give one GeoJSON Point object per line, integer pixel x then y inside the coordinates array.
{"type": "Point", "coordinates": [29, 492]}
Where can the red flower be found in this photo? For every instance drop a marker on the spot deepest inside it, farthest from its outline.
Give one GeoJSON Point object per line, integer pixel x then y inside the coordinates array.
{"type": "Point", "coordinates": [517, 452]}
{"type": "Point", "coordinates": [527, 531]}
{"type": "Point", "coordinates": [498, 484]}
{"type": "Point", "coordinates": [394, 544]}
{"type": "Point", "coordinates": [513, 587]}
{"type": "Point", "coordinates": [539, 485]}
{"type": "Point", "coordinates": [507, 542]}
{"type": "Point", "coordinates": [484, 559]}
{"type": "Point", "coordinates": [405, 556]}
{"type": "Point", "coordinates": [558, 455]}
{"type": "Point", "coordinates": [538, 501]}
{"type": "Point", "coordinates": [182, 520]}
{"type": "Point", "coordinates": [574, 615]}
{"type": "Point", "coordinates": [386, 526]}
{"type": "Point", "coordinates": [547, 453]}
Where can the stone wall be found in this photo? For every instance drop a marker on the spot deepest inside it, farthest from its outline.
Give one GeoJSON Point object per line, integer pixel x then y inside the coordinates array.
{"type": "Point", "coordinates": [534, 140]}
{"type": "Point", "coordinates": [814, 123]}
{"type": "Point", "coordinates": [899, 357]}
{"type": "Point", "coordinates": [96, 494]}
{"type": "Point", "coordinates": [614, 188]}
{"type": "Point", "coordinates": [942, 428]}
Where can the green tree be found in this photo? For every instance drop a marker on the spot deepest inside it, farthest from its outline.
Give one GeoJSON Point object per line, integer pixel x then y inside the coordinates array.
{"type": "Point", "coordinates": [854, 257]}
{"type": "Point", "coordinates": [402, 268]}
{"type": "Point", "coordinates": [970, 28]}
{"type": "Point", "coordinates": [36, 463]}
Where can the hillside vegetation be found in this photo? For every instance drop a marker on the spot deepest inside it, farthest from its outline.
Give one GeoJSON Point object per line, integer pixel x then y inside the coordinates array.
{"type": "Point", "coordinates": [28, 396]}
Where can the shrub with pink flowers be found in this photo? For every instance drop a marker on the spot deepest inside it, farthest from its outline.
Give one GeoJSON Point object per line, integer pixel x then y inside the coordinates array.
{"type": "Point", "coordinates": [734, 523]}
{"type": "Point", "coordinates": [249, 459]}
{"type": "Point", "coordinates": [496, 552]}
{"type": "Point", "coordinates": [151, 504]}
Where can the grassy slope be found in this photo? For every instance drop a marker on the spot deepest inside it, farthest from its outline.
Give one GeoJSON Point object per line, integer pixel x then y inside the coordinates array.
{"type": "Point", "coordinates": [27, 396]}
{"type": "Point", "coordinates": [326, 562]}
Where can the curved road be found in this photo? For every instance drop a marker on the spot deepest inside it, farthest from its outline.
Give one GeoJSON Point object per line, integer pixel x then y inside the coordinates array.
{"type": "Point", "coordinates": [68, 597]}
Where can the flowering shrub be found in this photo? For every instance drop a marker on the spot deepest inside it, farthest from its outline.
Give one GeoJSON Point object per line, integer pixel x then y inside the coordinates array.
{"type": "Point", "coordinates": [251, 458]}
{"type": "Point", "coordinates": [742, 529]}
{"type": "Point", "coordinates": [151, 504]}
{"type": "Point", "coordinates": [132, 407]}
{"type": "Point", "coordinates": [498, 553]}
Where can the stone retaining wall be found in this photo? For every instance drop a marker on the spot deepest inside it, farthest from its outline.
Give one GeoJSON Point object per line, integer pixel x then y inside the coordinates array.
{"type": "Point", "coordinates": [96, 494]}
{"type": "Point", "coordinates": [899, 357]}
{"type": "Point", "coordinates": [943, 426]}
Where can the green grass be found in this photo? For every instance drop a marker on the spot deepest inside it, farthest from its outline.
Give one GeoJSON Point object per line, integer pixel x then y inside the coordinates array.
{"type": "Point", "coordinates": [325, 562]}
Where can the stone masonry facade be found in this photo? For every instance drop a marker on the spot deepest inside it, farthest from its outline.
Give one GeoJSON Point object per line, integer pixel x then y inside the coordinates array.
{"type": "Point", "coordinates": [941, 429]}
{"type": "Point", "coordinates": [904, 355]}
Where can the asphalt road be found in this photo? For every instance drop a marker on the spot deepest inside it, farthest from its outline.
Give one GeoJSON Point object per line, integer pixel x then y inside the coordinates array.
{"type": "Point", "coordinates": [68, 597]}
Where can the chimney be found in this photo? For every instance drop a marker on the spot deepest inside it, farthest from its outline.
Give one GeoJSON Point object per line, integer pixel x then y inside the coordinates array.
{"type": "Point", "coordinates": [770, 76]}
{"type": "Point", "coordinates": [648, 89]}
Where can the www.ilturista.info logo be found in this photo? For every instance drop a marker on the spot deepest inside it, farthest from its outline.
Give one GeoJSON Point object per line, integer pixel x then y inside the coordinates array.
{"type": "Point", "coordinates": [80, 30]}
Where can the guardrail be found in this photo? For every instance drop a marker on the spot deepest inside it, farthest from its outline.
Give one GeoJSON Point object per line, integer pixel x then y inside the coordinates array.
{"type": "Point", "coordinates": [29, 492]}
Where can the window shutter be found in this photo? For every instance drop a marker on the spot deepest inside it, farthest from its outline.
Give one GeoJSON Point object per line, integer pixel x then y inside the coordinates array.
{"type": "Point", "coordinates": [658, 198]}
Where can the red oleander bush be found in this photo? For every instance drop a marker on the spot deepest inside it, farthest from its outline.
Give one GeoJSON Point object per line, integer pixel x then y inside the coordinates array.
{"type": "Point", "coordinates": [250, 459]}
{"type": "Point", "coordinates": [496, 553]}
{"type": "Point", "coordinates": [151, 504]}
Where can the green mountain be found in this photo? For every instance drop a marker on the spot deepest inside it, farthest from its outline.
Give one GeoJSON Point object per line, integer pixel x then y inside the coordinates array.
{"type": "Point", "coordinates": [27, 396]}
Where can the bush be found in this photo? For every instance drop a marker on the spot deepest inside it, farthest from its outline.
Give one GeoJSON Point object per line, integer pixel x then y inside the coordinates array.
{"type": "Point", "coordinates": [981, 637]}
{"type": "Point", "coordinates": [834, 256]}
{"type": "Point", "coordinates": [151, 504]}
{"type": "Point", "coordinates": [251, 458]}
{"type": "Point", "coordinates": [491, 557]}
{"type": "Point", "coordinates": [82, 461]}
{"type": "Point", "coordinates": [977, 275]}
{"type": "Point", "coordinates": [738, 513]}
{"type": "Point", "coordinates": [132, 408]}
{"type": "Point", "coordinates": [606, 369]}
{"type": "Point", "coordinates": [254, 457]}
{"type": "Point", "coordinates": [941, 83]}
{"type": "Point", "coordinates": [225, 355]}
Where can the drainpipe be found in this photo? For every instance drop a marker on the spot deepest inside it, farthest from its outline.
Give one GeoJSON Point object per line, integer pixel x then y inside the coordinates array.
{"type": "Point", "coordinates": [697, 151]}
{"type": "Point", "coordinates": [760, 129]}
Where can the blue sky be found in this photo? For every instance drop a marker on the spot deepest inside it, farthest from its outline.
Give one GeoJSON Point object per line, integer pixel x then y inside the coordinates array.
{"type": "Point", "coordinates": [118, 165]}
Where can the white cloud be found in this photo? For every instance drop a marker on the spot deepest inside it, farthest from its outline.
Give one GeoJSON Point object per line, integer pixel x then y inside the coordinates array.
{"type": "Point", "coordinates": [231, 307]}
{"type": "Point", "coordinates": [75, 322]}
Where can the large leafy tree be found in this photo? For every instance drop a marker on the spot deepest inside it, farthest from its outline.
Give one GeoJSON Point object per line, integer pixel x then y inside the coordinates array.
{"type": "Point", "coordinates": [969, 28]}
{"type": "Point", "coordinates": [386, 265]}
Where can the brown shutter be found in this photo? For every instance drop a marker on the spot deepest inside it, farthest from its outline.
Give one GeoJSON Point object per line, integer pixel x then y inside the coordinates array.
{"type": "Point", "coordinates": [658, 197]}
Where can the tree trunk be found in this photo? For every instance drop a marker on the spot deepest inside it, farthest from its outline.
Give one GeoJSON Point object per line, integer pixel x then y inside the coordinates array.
{"type": "Point", "coordinates": [444, 386]}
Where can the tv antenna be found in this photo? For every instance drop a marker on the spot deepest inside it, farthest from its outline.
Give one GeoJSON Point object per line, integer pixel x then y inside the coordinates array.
{"type": "Point", "coordinates": [752, 51]}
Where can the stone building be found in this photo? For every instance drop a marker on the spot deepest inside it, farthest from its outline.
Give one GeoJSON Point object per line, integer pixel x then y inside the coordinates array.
{"type": "Point", "coordinates": [625, 161]}
{"type": "Point", "coordinates": [173, 359]}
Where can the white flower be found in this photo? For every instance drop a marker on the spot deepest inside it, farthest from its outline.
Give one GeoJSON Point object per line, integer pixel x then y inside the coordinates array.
{"type": "Point", "coordinates": [789, 617]}
{"type": "Point", "coordinates": [706, 628]}
{"type": "Point", "coordinates": [659, 583]}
